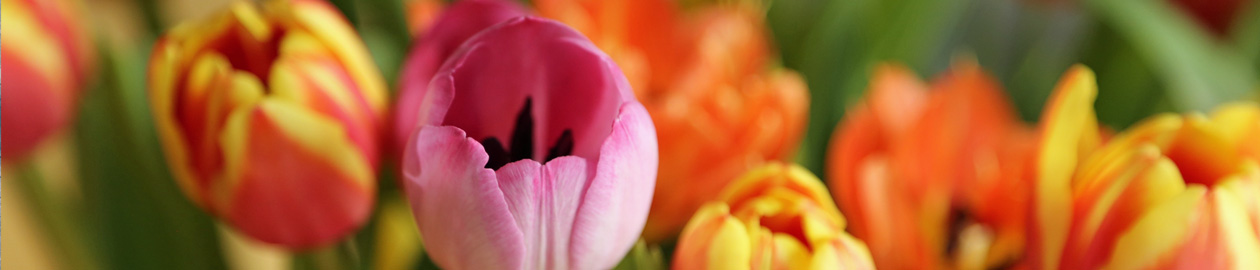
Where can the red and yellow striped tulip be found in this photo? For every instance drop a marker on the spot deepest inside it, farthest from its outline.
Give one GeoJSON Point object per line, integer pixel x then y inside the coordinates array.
{"type": "Point", "coordinates": [705, 76]}
{"type": "Point", "coordinates": [934, 179]}
{"type": "Point", "coordinates": [1172, 192]}
{"type": "Point", "coordinates": [774, 217]}
{"type": "Point", "coordinates": [270, 118]}
{"type": "Point", "coordinates": [46, 58]}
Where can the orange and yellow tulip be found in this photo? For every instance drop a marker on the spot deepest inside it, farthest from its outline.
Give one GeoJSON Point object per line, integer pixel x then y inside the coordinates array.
{"type": "Point", "coordinates": [46, 58]}
{"type": "Point", "coordinates": [1172, 192]}
{"type": "Point", "coordinates": [774, 217]}
{"type": "Point", "coordinates": [933, 179]}
{"type": "Point", "coordinates": [704, 75]}
{"type": "Point", "coordinates": [270, 119]}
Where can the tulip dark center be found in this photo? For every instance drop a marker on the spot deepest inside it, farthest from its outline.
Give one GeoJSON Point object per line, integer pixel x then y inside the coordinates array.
{"type": "Point", "coordinates": [521, 145]}
{"type": "Point", "coordinates": [959, 221]}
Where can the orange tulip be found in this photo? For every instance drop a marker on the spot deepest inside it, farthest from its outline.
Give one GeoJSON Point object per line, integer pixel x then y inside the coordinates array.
{"type": "Point", "coordinates": [1172, 192]}
{"type": "Point", "coordinates": [774, 217]}
{"type": "Point", "coordinates": [46, 58]}
{"type": "Point", "coordinates": [933, 179]}
{"type": "Point", "coordinates": [270, 119]}
{"type": "Point", "coordinates": [705, 78]}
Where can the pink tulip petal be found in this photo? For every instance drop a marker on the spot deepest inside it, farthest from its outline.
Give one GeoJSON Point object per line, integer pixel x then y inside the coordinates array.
{"type": "Point", "coordinates": [564, 75]}
{"type": "Point", "coordinates": [450, 192]}
{"type": "Point", "coordinates": [616, 203]}
{"type": "Point", "coordinates": [544, 202]}
{"type": "Point", "coordinates": [460, 21]}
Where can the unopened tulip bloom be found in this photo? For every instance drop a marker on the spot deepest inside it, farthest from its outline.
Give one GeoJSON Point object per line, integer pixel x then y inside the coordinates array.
{"type": "Point", "coordinates": [46, 57]}
{"type": "Point", "coordinates": [1172, 192]}
{"type": "Point", "coordinates": [457, 23]}
{"type": "Point", "coordinates": [270, 119]}
{"type": "Point", "coordinates": [705, 75]}
{"type": "Point", "coordinates": [933, 179]}
{"type": "Point", "coordinates": [774, 217]}
{"type": "Point", "coordinates": [532, 153]}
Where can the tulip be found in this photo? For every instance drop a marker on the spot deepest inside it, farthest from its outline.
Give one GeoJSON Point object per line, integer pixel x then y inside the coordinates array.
{"type": "Point", "coordinates": [270, 119]}
{"type": "Point", "coordinates": [933, 179]}
{"type": "Point", "coordinates": [459, 22]}
{"type": "Point", "coordinates": [705, 77]}
{"type": "Point", "coordinates": [46, 58]}
{"type": "Point", "coordinates": [532, 153]}
{"type": "Point", "coordinates": [1172, 192]}
{"type": "Point", "coordinates": [774, 217]}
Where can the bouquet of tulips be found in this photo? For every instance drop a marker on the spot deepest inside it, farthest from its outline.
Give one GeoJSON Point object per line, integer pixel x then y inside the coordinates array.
{"type": "Point", "coordinates": [631, 134]}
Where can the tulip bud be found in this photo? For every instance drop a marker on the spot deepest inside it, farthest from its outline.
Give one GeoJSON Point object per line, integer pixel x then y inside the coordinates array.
{"type": "Point", "coordinates": [270, 119]}
{"type": "Point", "coordinates": [1172, 192]}
{"type": "Point", "coordinates": [46, 57]}
{"type": "Point", "coordinates": [774, 217]}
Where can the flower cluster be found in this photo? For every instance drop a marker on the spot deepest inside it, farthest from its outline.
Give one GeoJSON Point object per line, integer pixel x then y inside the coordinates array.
{"type": "Point", "coordinates": [589, 134]}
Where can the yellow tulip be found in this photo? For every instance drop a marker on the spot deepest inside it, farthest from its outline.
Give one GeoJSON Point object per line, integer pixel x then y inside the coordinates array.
{"type": "Point", "coordinates": [774, 217]}
{"type": "Point", "coordinates": [1172, 192]}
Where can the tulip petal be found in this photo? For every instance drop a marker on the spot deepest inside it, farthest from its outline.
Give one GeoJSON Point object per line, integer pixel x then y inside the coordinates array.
{"type": "Point", "coordinates": [615, 205]}
{"type": "Point", "coordinates": [41, 73]}
{"type": "Point", "coordinates": [544, 201]}
{"type": "Point", "coordinates": [1069, 131]}
{"type": "Point", "coordinates": [306, 73]}
{"type": "Point", "coordinates": [713, 239]}
{"type": "Point", "coordinates": [326, 24]}
{"type": "Point", "coordinates": [37, 106]}
{"type": "Point", "coordinates": [1103, 212]}
{"type": "Point", "coordinates": [293, 176]}
{"type": "Point", "coordinates": [458, 203]}
{"type": "Point", "coordinates": [1158, 231]}
{"type": "Point", "coordinates": [1240, 125]}
{"type": "Point", "coordinates": [1242, 242]}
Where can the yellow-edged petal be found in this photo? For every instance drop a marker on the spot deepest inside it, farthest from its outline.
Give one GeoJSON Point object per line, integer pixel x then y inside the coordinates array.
{"type": "Point", "coordinates": [1069, 132]}
{"type": "Point", "coordinates": [1157, 232]}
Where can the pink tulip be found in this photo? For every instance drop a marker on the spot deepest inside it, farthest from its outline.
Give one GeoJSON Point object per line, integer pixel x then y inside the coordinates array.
{"type": "Point", "coordinates": [531, 153]}
{"type": "Point", "coordinates": [460, 21]}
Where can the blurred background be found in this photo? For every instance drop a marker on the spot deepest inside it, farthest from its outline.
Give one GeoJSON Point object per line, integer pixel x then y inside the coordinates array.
{"type": "Point", "coordinates": [98, 196]}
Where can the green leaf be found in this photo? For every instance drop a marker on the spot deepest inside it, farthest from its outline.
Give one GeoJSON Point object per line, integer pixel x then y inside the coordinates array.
{"type": "Point", "coordinates": [1199, 72]}
{"type": "Point", "coordinates": [140, 218]}
{"type": "Point", "coordinates": [850, 38]}
{"type": "Point", "coordinates": [642, 257]}
{"type": "Point", "coordinates": [1246, 36]}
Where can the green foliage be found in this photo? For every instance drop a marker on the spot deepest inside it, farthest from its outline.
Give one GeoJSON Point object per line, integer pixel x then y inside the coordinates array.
{"type": "Point", "coordinates": [642, 257]}
{"type": "Point", "coordinates": [137, 215]}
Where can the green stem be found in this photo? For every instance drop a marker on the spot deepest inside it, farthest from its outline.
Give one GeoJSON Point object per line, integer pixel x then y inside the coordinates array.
{"type": "Point", "coordinates": [342, 256]}
{"type": "Point", "coordinates": [58, 223]}
{"type": "Point", "coordinates": [152, 21]}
